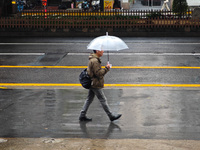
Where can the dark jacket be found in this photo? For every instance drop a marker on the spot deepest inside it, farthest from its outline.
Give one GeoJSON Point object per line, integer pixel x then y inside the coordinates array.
{"type": "Point", "coordinates": [96, 72]}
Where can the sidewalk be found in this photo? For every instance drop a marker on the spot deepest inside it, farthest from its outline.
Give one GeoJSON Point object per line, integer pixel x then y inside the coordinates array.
{"type": "Point", "coordinates": [96, 144]}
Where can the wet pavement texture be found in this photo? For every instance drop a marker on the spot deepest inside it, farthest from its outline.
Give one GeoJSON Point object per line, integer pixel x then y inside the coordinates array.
{"type": "Point", "coordinates": [148, 113]}
{"type": "Point", "coordinates": [69, 44]}
{"type": "Point", "coordinates": [120, 75]}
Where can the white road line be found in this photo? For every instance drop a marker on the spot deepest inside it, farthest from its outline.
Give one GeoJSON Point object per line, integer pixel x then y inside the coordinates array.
{"type": "Point", "coordinates": [114, 54]}
{"type": "Point", "coordinates": [24, 54]}
{"type": "Point", "coordinates": [35, 43]}
{"type": "Point", "coordinates": [145, 54]}
{"type": "Point", "coordinates": [89, 42]}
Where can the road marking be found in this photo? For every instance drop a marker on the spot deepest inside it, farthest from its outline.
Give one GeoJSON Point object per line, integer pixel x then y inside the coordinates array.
{"type": "Point", "coordinates": [145, 54]}
{"type": "Point", "coordinates": [39, 84]}
{"type": "Point", "coordinates": [24, 54]}
{"type": "Point", "coordinates": [65, 67]}
{"type": "Point", "coordinates": [87, 42]}
{"type": "Point", "coordinates": [152, 85]}
{"type": "Point", "coordinates": [113, 67]}
{"type": "Point", "coordinates": [113, 54]}
{"type": "Point", "coordinates": [35, 43]}
{"type": "Point", "coordinates": [6, 85]}
{"type": "Point", "coordinates": [3, 88]}
{"type": "Point", "coordinates": [154, 67]}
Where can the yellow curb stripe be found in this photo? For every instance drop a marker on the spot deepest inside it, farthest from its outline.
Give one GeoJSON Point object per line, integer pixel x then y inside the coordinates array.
{"type": "Point", "coordinates": [4, 85]}
{"type": "Point", "coordinates": [113, 67]}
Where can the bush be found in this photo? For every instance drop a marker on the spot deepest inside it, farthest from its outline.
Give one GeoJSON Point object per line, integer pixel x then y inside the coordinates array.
{"type": "Point", "coordinates": [154, 15]}
{"type": "Point", "coordinates": [180, 7]}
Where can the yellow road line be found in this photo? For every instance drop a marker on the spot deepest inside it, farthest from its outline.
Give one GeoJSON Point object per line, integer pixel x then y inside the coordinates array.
{"type": "Point", "coordinates": [152, 85]}
{"type": "Point", "coordinates": [113, 67]}
{"type": "Point", "coordinates": [154, 67]}
{"type": "Point", "coordinates": [3, 85]}
{"type": "Point", "coordinates": [39, 84]}
{"type": "Point", "coordinates": [43, 67]}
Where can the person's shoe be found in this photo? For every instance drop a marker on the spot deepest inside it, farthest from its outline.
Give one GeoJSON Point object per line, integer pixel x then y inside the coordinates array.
{"type": "Point", "coordinates": [115, 117]}
{"type": "Point", "coordinates": [85, 118]}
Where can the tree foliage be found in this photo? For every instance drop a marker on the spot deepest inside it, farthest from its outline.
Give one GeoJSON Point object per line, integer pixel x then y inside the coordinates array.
{"type": "Point", "coordinates": [180, 6]}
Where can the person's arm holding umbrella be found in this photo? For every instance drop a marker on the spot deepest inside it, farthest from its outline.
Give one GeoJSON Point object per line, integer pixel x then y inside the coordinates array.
{"type": "Point", "coordinates": [96, 71]}
{"type": "Point", "coordinates": [99, 71]}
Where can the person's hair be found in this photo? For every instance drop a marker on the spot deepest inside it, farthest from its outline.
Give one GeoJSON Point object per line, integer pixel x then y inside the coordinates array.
{"type": "Point", "coordinates": [94, 51]}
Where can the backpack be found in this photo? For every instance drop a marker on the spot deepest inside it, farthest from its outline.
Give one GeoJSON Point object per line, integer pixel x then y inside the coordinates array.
{"type": "Point", "coordinates": [85, 79]}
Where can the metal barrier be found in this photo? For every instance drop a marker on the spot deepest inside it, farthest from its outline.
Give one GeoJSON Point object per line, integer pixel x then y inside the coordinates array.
{"type": "Point", "coordinates": [107, 19]}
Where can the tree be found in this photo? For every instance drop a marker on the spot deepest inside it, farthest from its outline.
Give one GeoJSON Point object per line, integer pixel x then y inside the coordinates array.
{"type": "Point", "coordinates": [180, 7]}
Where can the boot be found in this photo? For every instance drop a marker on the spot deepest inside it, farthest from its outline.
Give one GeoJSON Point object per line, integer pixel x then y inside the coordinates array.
{"type": "Point", "coordinates": [84, 118]}
{"type": "Point", "coordinates": [115, 117]}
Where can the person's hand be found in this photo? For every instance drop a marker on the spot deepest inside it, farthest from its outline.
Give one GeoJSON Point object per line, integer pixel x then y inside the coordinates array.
{"type": "Point", "coordinates": [108, 66]}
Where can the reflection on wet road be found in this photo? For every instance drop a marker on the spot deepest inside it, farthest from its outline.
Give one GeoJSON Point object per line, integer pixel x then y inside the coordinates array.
{"type": "Point", "coordinates": [148, 113]}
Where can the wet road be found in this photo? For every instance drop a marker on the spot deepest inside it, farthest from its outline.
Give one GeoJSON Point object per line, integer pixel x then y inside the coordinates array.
{"type": "Point", "coordinates": [148, 113]}
{"type": "Point", "coordinates": [28, 109]}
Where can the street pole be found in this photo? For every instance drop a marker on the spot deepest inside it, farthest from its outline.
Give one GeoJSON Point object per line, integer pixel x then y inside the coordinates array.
{"type": "Point", "coordinates": [171, 4]}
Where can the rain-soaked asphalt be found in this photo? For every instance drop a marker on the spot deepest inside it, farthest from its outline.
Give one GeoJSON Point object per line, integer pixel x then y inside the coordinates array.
{"type": "Point", "coordinates": [148, 113]}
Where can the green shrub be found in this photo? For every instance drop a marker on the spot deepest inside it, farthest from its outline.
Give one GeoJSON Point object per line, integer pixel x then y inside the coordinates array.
{"type": "Point", "coordinates": [180, 7]}
{"type": "Point", "coordinates": [154, 15]}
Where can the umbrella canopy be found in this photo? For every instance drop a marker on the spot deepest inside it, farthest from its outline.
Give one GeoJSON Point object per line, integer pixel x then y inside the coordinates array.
{"type": "Point", "coordinates": [107, 43]}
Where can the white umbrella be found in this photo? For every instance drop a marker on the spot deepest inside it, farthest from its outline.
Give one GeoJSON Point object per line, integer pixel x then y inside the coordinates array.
{"type": "Point", "coordinates": [107, 43]}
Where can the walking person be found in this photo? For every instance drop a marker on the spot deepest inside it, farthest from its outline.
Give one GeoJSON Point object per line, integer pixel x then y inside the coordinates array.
{"type": "Point", "coordinates": [97, 74]}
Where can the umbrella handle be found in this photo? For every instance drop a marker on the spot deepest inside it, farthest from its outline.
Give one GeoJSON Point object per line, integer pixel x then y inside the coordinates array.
{"type": "Point", "coordinates": [108, 55]}
{"type": "Point", "coordinates": [108, 59]}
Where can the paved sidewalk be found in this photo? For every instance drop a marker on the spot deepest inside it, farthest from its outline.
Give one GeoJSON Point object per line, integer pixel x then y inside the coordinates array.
{"type": "Point", "coordinates": [96, 144]}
